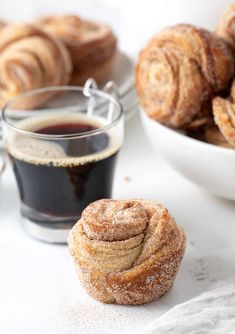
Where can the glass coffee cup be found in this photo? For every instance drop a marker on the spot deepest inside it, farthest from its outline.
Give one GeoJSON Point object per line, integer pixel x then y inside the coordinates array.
{"type": "Point", "coordinates": [63, 143]}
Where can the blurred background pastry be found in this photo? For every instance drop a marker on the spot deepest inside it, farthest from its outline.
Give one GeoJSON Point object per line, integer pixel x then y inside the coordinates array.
{"type": "Point", "coordinates": [30, 58]}
{"type": "Point", "coordinates": [178, 73]}
{"type": "Point", "coordinates": [126, 251]}
{"type": "Point", "coordinates": [226, 25]}
{"type": "Point", "coordinates": [62, 50]}
{"type": "Point", "coordinates": [92, 45]}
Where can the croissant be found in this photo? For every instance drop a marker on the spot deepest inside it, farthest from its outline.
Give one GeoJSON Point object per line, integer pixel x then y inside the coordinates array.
{"type": "Point", "coordinates": [30, 58]}
{"type": "Point", "coordinates": [92, 45]}
{"type": "Point", "coordinates": [127, 251]}
{"type": "Point", "coordinates": [178, 73]}
{"type": "Point", "coordinates": [226, 25]}
{"type": "Point", "coordinates": [224, 116]}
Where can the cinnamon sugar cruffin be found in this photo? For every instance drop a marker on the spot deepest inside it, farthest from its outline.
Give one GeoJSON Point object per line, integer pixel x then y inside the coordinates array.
{"type": "Point", "coordinates": [91, 45]}
{"type": "Point", "coordinates": [224, 109]}
{"type": "Point", "coordinates": [224, 115]}
{"type": "Point", "coordinates": [137, 266]}
{"type": "Point", "coordinates": [180, 70]}
{"type": "Point", "coordinates": [29, 59]}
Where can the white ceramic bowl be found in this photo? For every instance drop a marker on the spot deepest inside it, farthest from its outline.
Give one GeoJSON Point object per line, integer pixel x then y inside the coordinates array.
{"type": "Point", "coordinates": [209, 166]}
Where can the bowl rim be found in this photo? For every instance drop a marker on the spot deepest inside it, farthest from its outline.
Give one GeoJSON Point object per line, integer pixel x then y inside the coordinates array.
{"type": "Point", "coordinates": [184, 137]}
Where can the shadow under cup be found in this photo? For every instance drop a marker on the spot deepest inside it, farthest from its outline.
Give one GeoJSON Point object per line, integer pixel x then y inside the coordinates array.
{"type": "Point", "coordinates": [63, 143]}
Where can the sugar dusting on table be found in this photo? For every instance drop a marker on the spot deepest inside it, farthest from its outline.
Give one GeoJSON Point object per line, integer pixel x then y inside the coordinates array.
{"type": "Point", "coordinates": [95, 317]}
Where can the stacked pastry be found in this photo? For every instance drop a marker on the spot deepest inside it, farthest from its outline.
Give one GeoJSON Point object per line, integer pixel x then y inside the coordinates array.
{"type": "Point", "coordinates": [91, 45]}
{"type": "Point", "coordinates": [183, 76]}
{"type": "Point", "coordinates": [180, 71]}
{"type": "Point", "coordinates": [126, 252]}
{"type": "Point", "coordinates": [30, 58]}
{"type": "Point", "coordinates": [56, 50]}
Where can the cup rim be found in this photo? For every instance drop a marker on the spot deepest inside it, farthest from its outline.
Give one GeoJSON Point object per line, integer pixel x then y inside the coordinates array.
{"type": "Point", "coordinates": [96, 92]}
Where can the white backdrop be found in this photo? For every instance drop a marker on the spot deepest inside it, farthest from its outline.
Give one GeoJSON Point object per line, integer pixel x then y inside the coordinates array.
{"type": "Point", "coordinates": [144, 18]}
{"type": "Point", "coordinates": [134, 21]}
{"type": "Point", "coordinates": [18, 10]}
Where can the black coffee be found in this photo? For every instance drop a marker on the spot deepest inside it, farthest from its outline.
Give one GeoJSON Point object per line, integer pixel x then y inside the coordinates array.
{"type": "Point", "coordinates": [64, 186]}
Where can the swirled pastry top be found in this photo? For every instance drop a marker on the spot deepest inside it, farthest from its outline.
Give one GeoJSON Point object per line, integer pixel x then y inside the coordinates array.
{"type": "Point", "coordinates": [83, 38]}
{"type": "Point", "coordinates": [125, 244]}
{"type": "Point", "coordinates": [179, 71]}
{"type": "Point", "coordinates": [30, 58]}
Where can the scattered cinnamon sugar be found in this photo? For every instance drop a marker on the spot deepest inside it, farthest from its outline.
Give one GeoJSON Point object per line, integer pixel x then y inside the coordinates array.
{"type": "Point", "coordinates": [94, 317]}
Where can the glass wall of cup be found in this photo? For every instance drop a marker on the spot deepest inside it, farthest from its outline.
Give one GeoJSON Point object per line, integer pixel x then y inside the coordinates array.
{"type": "Point", "coordinates": [63, 144]}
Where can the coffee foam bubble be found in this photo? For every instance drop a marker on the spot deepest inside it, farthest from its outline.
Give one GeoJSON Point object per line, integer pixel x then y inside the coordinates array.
{"type": "Point", "coordinates": [47, 152]}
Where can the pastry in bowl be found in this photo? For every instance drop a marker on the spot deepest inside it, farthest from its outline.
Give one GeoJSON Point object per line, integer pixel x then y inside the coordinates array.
{"type": "Point", "coordinates": [226, 25]}
{"type": "Point", "coordinates": [30, 58]}
{"type": "Point", "coordinates": [126, 251]}
{"type": "Point", "coordinates": [179, 72]}
{"type": "Point", "coordinates": [224, 115]}
{"type": "Point", "coordinates": [92, 45]}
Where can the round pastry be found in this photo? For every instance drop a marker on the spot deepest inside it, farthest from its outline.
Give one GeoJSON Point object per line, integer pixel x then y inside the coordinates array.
{"type": "Point", "coordinates": [224, 115]}
{"type": "Point", "coordinates": [30, 58]}
{"type": "Point", "coordinates": [92, 45]}
{"type": "Point", "coordinates": [178, 73]}
{"type": "Point", "coordinates": [126, 251]}
{"type": "Point", "coordinates": [215, 137]}
{"type": "Point", "coordinates": [226, 25]}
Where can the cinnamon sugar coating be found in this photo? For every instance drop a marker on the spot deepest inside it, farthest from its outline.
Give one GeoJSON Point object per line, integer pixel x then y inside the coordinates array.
{"type": "Point", "coordinates": [137, 266]}
{"type": "Point", "coordinates": [110, 220]}
{"type": "Point", "coordinates": [178, 73]}
{"type": "Point", "coordinates": [224, 115]}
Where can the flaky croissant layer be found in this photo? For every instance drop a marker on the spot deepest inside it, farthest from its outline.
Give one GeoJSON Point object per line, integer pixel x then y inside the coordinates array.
{"type": "Point", "coordinates": [126, 252]}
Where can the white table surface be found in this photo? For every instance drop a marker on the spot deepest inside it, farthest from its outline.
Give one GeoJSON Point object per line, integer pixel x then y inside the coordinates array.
{"type": "Point", "coordinates": [39, 290]}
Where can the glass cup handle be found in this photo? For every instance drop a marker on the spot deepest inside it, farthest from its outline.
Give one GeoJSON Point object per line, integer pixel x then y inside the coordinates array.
{"type": "Point", "coordinates": [88, 86]}
{"type": "Point", "coordinates": [87, 91]}
{"type": "Point", "coordinates": [110, 88]}
{"type": "Point", "coordinates": [2, 161]}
